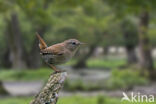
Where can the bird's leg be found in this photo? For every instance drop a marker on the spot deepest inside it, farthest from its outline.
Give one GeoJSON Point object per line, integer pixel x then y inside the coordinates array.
{"type": "Point", "coordinates": [54, 68]}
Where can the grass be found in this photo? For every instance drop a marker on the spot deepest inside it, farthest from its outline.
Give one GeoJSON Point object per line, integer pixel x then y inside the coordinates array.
{"type": "Point", "coordinates": [125, 79]}
{"type": "Point", "coordinates": [25, 75]}
{"type": "Point", "coordinates": [72, 100]}
{"type": "Point", "coordinates": [105, 63]}
{"type": "Point", "coordinates": [15, 100]}
{"type": "Point", "coordinates": [43, 73]}
{"type": "Point", "coordinates": [79, 85]}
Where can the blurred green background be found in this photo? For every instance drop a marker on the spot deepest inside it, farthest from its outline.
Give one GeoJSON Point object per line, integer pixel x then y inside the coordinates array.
{"type": "Point", "coordinates": [120, 55]}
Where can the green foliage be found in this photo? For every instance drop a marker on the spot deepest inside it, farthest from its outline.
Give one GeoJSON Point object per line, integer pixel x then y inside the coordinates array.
{"type": "Point", "coordinates": [77, 85]}
{"type": "Point", "coordinates": [130, 32]}
{"type": "Point", "coordinates": [101, 100]}
{"type": "Point", "coordinates": [27, 75]}
{"type": "Point", "coordinates": [42, 74]}
{"type": "Point", "coordinates": [106, 63]}
{"type": "Point", "coordinates": [131, 6]}
{"type": "Point", "coordinates": [90, 21]}
{"type": "Point", "coordinates": [16, 100]}
{"type": "Point", "coordinates": [5, 6]}
{"type": "Point", "coordinates": [125, 79]}
{"type": "Point", "coordinates": [36, 11]}
{"type": "Point", "coordinates": [152, 36]}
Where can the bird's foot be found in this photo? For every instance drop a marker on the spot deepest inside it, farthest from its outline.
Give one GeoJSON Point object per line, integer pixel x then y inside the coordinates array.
{"type": "Point", "coordinates": [59, 71]}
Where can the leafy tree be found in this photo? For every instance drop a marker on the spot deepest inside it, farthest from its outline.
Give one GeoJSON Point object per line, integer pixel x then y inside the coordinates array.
{"type": "Point", "coordinates": [93, 26]}
{"type": "Point", "coordinates": [13, 35]}
{"type": "Point", "coordinates": [143, 8]}
{"type": "Point", "coordinates": [37, 13]}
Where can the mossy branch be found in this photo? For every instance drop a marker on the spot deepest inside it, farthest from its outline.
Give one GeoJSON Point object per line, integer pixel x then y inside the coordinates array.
{"type": "Point", "coordinates": [49, 94]}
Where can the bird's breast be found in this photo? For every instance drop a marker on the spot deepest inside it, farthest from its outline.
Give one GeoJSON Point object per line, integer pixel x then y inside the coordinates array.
{"type": "Point", "coordinates": [57, 59]}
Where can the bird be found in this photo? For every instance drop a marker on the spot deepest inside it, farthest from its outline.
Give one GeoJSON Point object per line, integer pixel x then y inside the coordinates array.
{"type": "Point", "coordinates": [58, 53]}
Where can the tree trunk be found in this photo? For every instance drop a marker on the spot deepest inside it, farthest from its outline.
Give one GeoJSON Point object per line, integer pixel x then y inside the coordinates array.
{"type": "Point", "coordinates": [106, 50]}
{"type": "Point", "coordinates": [5, 59]}
{"type": "Point", "coordinates": [82, 61]}
{"type": "Point", "coordinates": [3, 90]}
{"type": "Point", "coordinates": [14, 41]}
{"type": "Point", "coordinates": [131, 55]}
{"type": "Point", "coordinates": [145, 59]}
{"type": "Point", "coordinates": [130, 36]}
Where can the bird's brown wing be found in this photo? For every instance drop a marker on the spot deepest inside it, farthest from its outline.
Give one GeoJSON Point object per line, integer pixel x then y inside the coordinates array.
{"type": "Point", "coordinates": [57, 49]}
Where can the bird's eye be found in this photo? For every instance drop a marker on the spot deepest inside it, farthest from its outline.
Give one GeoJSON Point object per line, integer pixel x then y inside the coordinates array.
{"type": "Point", "coordinates": [73, 43]}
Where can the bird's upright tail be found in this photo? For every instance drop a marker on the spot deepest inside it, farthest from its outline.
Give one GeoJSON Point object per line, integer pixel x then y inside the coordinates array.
{"type": "Point", "coordinates": [42, 44]}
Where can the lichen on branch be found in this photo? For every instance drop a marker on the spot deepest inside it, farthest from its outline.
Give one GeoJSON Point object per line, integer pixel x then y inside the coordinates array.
{"type": "Point", "coordinates": [49, 94]}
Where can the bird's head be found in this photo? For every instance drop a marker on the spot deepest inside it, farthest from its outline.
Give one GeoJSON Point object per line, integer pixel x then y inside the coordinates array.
{"type": "Point", "coordinates": [72, 44]}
